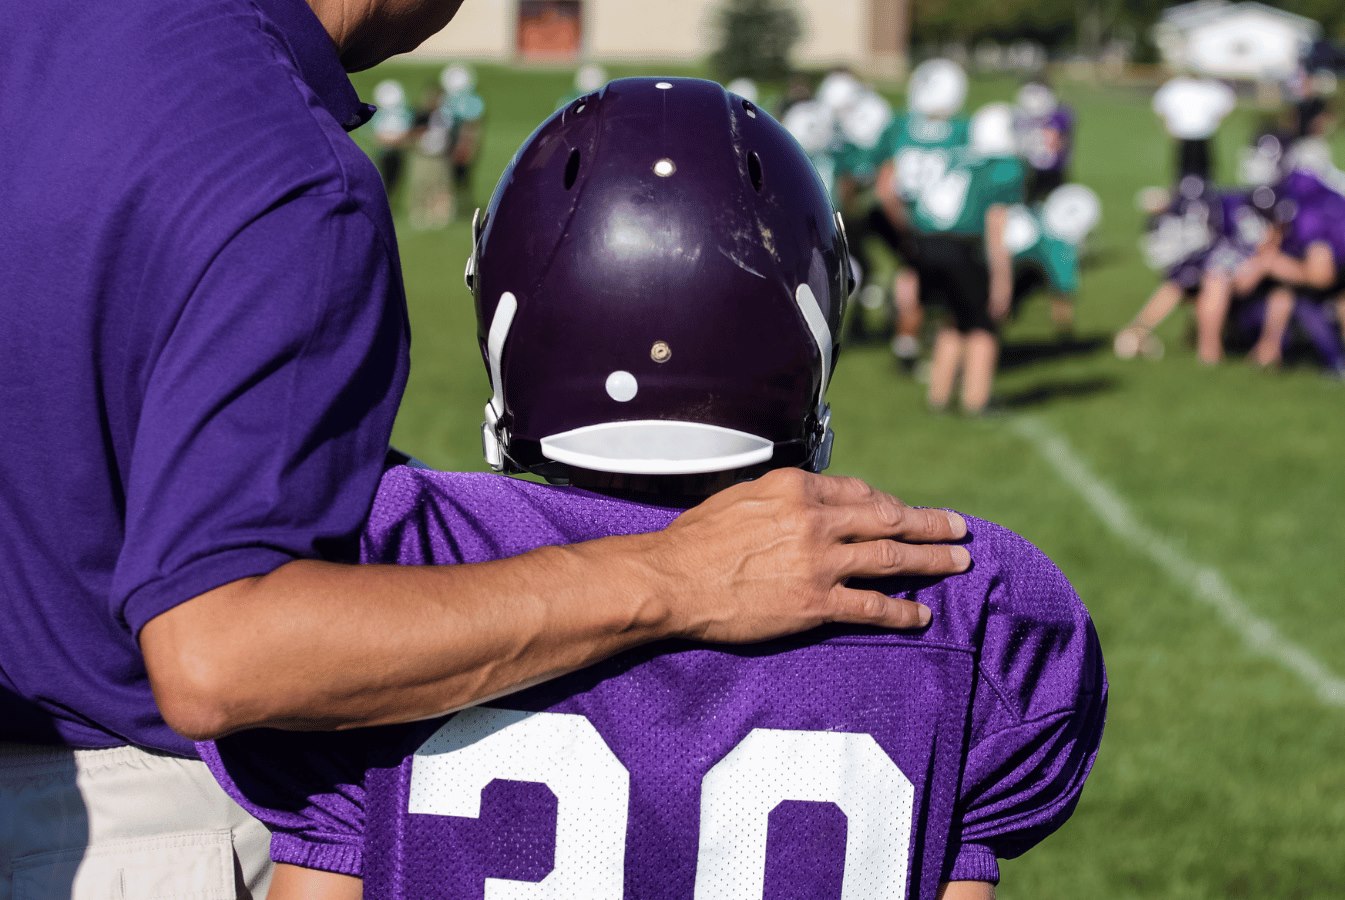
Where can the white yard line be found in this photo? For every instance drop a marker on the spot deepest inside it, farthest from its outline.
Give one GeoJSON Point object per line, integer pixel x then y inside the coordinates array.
{"type": "Point", "coordinates": [1204, 583]}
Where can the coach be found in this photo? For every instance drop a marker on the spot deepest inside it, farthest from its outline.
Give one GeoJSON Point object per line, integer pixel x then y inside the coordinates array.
{"type": "Point", "coordinates": [203, 343]}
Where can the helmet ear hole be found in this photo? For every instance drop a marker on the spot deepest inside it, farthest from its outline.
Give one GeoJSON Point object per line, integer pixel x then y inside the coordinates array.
{"type": "Point", "coordinates": [754, 170]}
{"type": "Point", "coordinates": [572, 169]}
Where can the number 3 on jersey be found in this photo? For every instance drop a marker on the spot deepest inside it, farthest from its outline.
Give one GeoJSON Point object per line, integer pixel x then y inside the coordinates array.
{"type": "Point", "coordinates": [592, 787]}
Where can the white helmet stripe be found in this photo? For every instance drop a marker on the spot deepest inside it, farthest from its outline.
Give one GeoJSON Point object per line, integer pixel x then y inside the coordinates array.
{"type": "Point", "coordinates": [499, 331]}
{"type": "Point", "coordinates": [817, 324]}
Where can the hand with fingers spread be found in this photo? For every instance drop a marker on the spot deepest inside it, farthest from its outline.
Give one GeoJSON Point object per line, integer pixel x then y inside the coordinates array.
{"type": "Point", "coordinates": [772, 557]}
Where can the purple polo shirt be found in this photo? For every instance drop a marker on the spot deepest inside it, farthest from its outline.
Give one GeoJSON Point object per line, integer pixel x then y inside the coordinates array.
{"type": "Point", "coordinates": [203, 336]}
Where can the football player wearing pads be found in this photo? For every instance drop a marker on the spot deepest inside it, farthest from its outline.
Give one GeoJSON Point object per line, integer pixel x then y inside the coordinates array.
{"type": "Point", "coordinates": [1045, 129]}
{"type": "Point", "coordinates": [1203, 240]}
{"type": "Point", "coordinates": [962, 258]}
{"type": "Point", "coordinates": [1046, 242]}
{"type": "Point", "coordinates": [657, 311]}
{"type": "Point", "coordinates": [916, 152]}
{"type": "Point", "coordinates": [392, 129]}
{"type": "Point", "coordinates": [1304, 263]}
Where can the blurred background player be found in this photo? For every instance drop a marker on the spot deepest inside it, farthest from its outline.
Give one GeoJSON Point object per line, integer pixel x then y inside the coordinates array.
{"type": "Point", "coordinates": [392, 128]}
{"type": "Point", "coordinates": [659, 774]}
{"type": "Point", "coordinates": [429, 188]}
{"type": "Point", "coordinates": [1200, 239]}
{"type": "Point", "coordinates": [1303, 266]}
{"type": "Point", "coordinates": [962, 259]}
{"type": "Point", "coordinates": [916, 152]}
{"type": "Point", "coordinates": [1192, 110]}
{"type": "Point", "coordinates": [1046, 243]}
{"type": "Point", "coordinates": [587, 79]}
{"type": "Point", "coordinates": [1045, 129]}
{"type": "Point", "coordinates": [462, 112]}
{"type": "Point", "coordinates": [860, 133]}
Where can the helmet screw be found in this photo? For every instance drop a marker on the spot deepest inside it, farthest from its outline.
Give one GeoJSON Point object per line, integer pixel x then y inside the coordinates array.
{"type": "Point", "coordinates": [660, 352]}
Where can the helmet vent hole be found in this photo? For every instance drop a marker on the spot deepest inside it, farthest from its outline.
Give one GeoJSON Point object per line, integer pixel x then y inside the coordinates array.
{"type": "Point", "coordinates": [750, 108]}
{"type": "Point", "coordinates": [754, 169]}
{"type": "Point", "coordinates": [580, 107]}
{"type": "Point", "coordinates": [572, 169]}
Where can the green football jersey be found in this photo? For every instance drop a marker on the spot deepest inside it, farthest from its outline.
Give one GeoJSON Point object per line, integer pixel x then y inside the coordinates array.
{"type": "Point", "coordinates": [1032, 245]}
{"type": "Point", "coordinates": [956, 202]}
{"type": "Point", "coordinates": [922, 149]}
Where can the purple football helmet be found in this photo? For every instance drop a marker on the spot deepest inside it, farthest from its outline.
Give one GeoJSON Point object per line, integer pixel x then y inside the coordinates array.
{"type": "Point", "coordinates": [659, 284]}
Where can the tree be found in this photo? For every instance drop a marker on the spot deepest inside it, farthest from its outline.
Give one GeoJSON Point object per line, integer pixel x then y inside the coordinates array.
{"type": "Point", "coordinates": [755, 39]}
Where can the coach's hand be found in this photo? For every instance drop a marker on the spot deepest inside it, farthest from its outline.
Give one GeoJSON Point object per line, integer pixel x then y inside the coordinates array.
{"type": "Point", "coordinates": [772, 557]}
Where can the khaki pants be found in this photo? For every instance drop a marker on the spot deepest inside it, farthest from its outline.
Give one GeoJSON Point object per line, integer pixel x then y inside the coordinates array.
{"type": "Point", "coordinates": [122, 824]}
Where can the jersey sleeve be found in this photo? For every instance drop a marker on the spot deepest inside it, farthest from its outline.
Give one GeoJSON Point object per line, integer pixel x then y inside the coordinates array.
{"type": "Point", "coordinates": [267, 407]}
{"type": "Point", "coordinates": [1037, 715]}
{"type": "Point", "coordinates": [307, 788]}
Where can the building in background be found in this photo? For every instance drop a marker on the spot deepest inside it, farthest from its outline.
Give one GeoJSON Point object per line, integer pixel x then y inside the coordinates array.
{"type": "Point", "coordinates": [1241, 41]}
{"type": "Point", "coordinates": [870, 35]}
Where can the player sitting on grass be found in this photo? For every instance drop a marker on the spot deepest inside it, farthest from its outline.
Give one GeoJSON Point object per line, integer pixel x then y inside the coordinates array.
{"type": "Point", "coordinates": [659, 280]}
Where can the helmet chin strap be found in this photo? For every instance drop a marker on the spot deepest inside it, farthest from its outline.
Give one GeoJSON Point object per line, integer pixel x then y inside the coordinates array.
{"type": "Point", "coordinates": [494, 438]}
{"type": "Point", "coordinates": [816, 321]}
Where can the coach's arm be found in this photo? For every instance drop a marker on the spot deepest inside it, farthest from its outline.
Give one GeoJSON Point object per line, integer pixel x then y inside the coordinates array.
{"type": "Point", "coordinates": [322, 646]}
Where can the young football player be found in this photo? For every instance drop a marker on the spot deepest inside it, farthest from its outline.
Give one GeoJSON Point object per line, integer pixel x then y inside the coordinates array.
{"type": "Point", "coordinates": [916, 152]}
{"type": "Point", "coordinates": [962, 259]}
{"type": "Point", "coordinates": [1045, 242]}
{"type": "Point", "coordinates": [1045, 129]}
{"type": "Point", "coordinates": [464, 112]}
{"type": "Point", "coordinates": [1305, 264]}
{"type": "Point", "coordinates": [392, 128]}
{"type": "Point", "coordinates": [657, 311]}
{"type": "Point", "coordinates": [1204, 241]}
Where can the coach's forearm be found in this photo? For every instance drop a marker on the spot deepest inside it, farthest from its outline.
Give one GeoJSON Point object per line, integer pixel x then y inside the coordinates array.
{"type": "Point", "coordinates": [323, 646]}
{"type": "Point", "coordinates": [317, 645]}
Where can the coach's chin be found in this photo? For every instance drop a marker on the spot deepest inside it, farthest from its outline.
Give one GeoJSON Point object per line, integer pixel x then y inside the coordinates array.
{"type": "Point", "coordinates": [366, 32]}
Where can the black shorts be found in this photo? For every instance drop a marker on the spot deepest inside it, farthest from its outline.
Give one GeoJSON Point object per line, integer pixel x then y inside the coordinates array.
{"type": "Point", "coordinates": [954, 274]}
{"type": "Point", "coordinates": [898, 240]}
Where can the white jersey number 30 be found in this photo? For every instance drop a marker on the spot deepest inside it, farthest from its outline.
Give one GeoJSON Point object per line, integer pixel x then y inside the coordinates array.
{"type": "Point", "coordinates": [592, 788]}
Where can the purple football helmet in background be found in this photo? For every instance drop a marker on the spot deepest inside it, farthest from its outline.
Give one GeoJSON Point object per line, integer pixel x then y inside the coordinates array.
{"type": "Point", "coordinates": [659, 284]}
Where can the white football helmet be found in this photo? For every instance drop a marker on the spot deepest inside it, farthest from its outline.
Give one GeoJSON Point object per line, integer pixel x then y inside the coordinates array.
{"type": "Point", "coordinates": [839, 91]}
{"type": "Point", "coordinates": [456, 78]}
{"type": "Point", "coordinates": [992, 131]}
{"type": "Point", "coordinates": [811, 124]}
{"type": "Point", "coordinates": [389, 93]}
{"type": "Point", "coordinates": [745, 88]}
{"type": "Point", "coordinates": [1071, 212]}
{"type": "Point", "coordinates": [864, 123]}
{"type": "Point", "coordinates": [1036, 99]}
{"type": "Point", "coordinates": [589, 78]}
{"type": "Point", "coordinates": [938, 88]}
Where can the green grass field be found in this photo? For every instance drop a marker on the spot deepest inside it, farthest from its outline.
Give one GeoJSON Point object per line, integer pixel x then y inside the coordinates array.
{"type": "Point", "coordinates": [1222, 774]}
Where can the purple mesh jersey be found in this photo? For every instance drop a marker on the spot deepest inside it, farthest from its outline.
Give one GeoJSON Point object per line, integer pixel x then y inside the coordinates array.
{"type": "Point", "coordinates": [851, 764]}
{"type": "Point", "coordinates": [1319, 215]}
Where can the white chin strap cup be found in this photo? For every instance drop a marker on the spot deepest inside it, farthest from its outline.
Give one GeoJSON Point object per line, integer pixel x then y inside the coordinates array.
{"type": "Point", "coordinates": [657, 447]}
